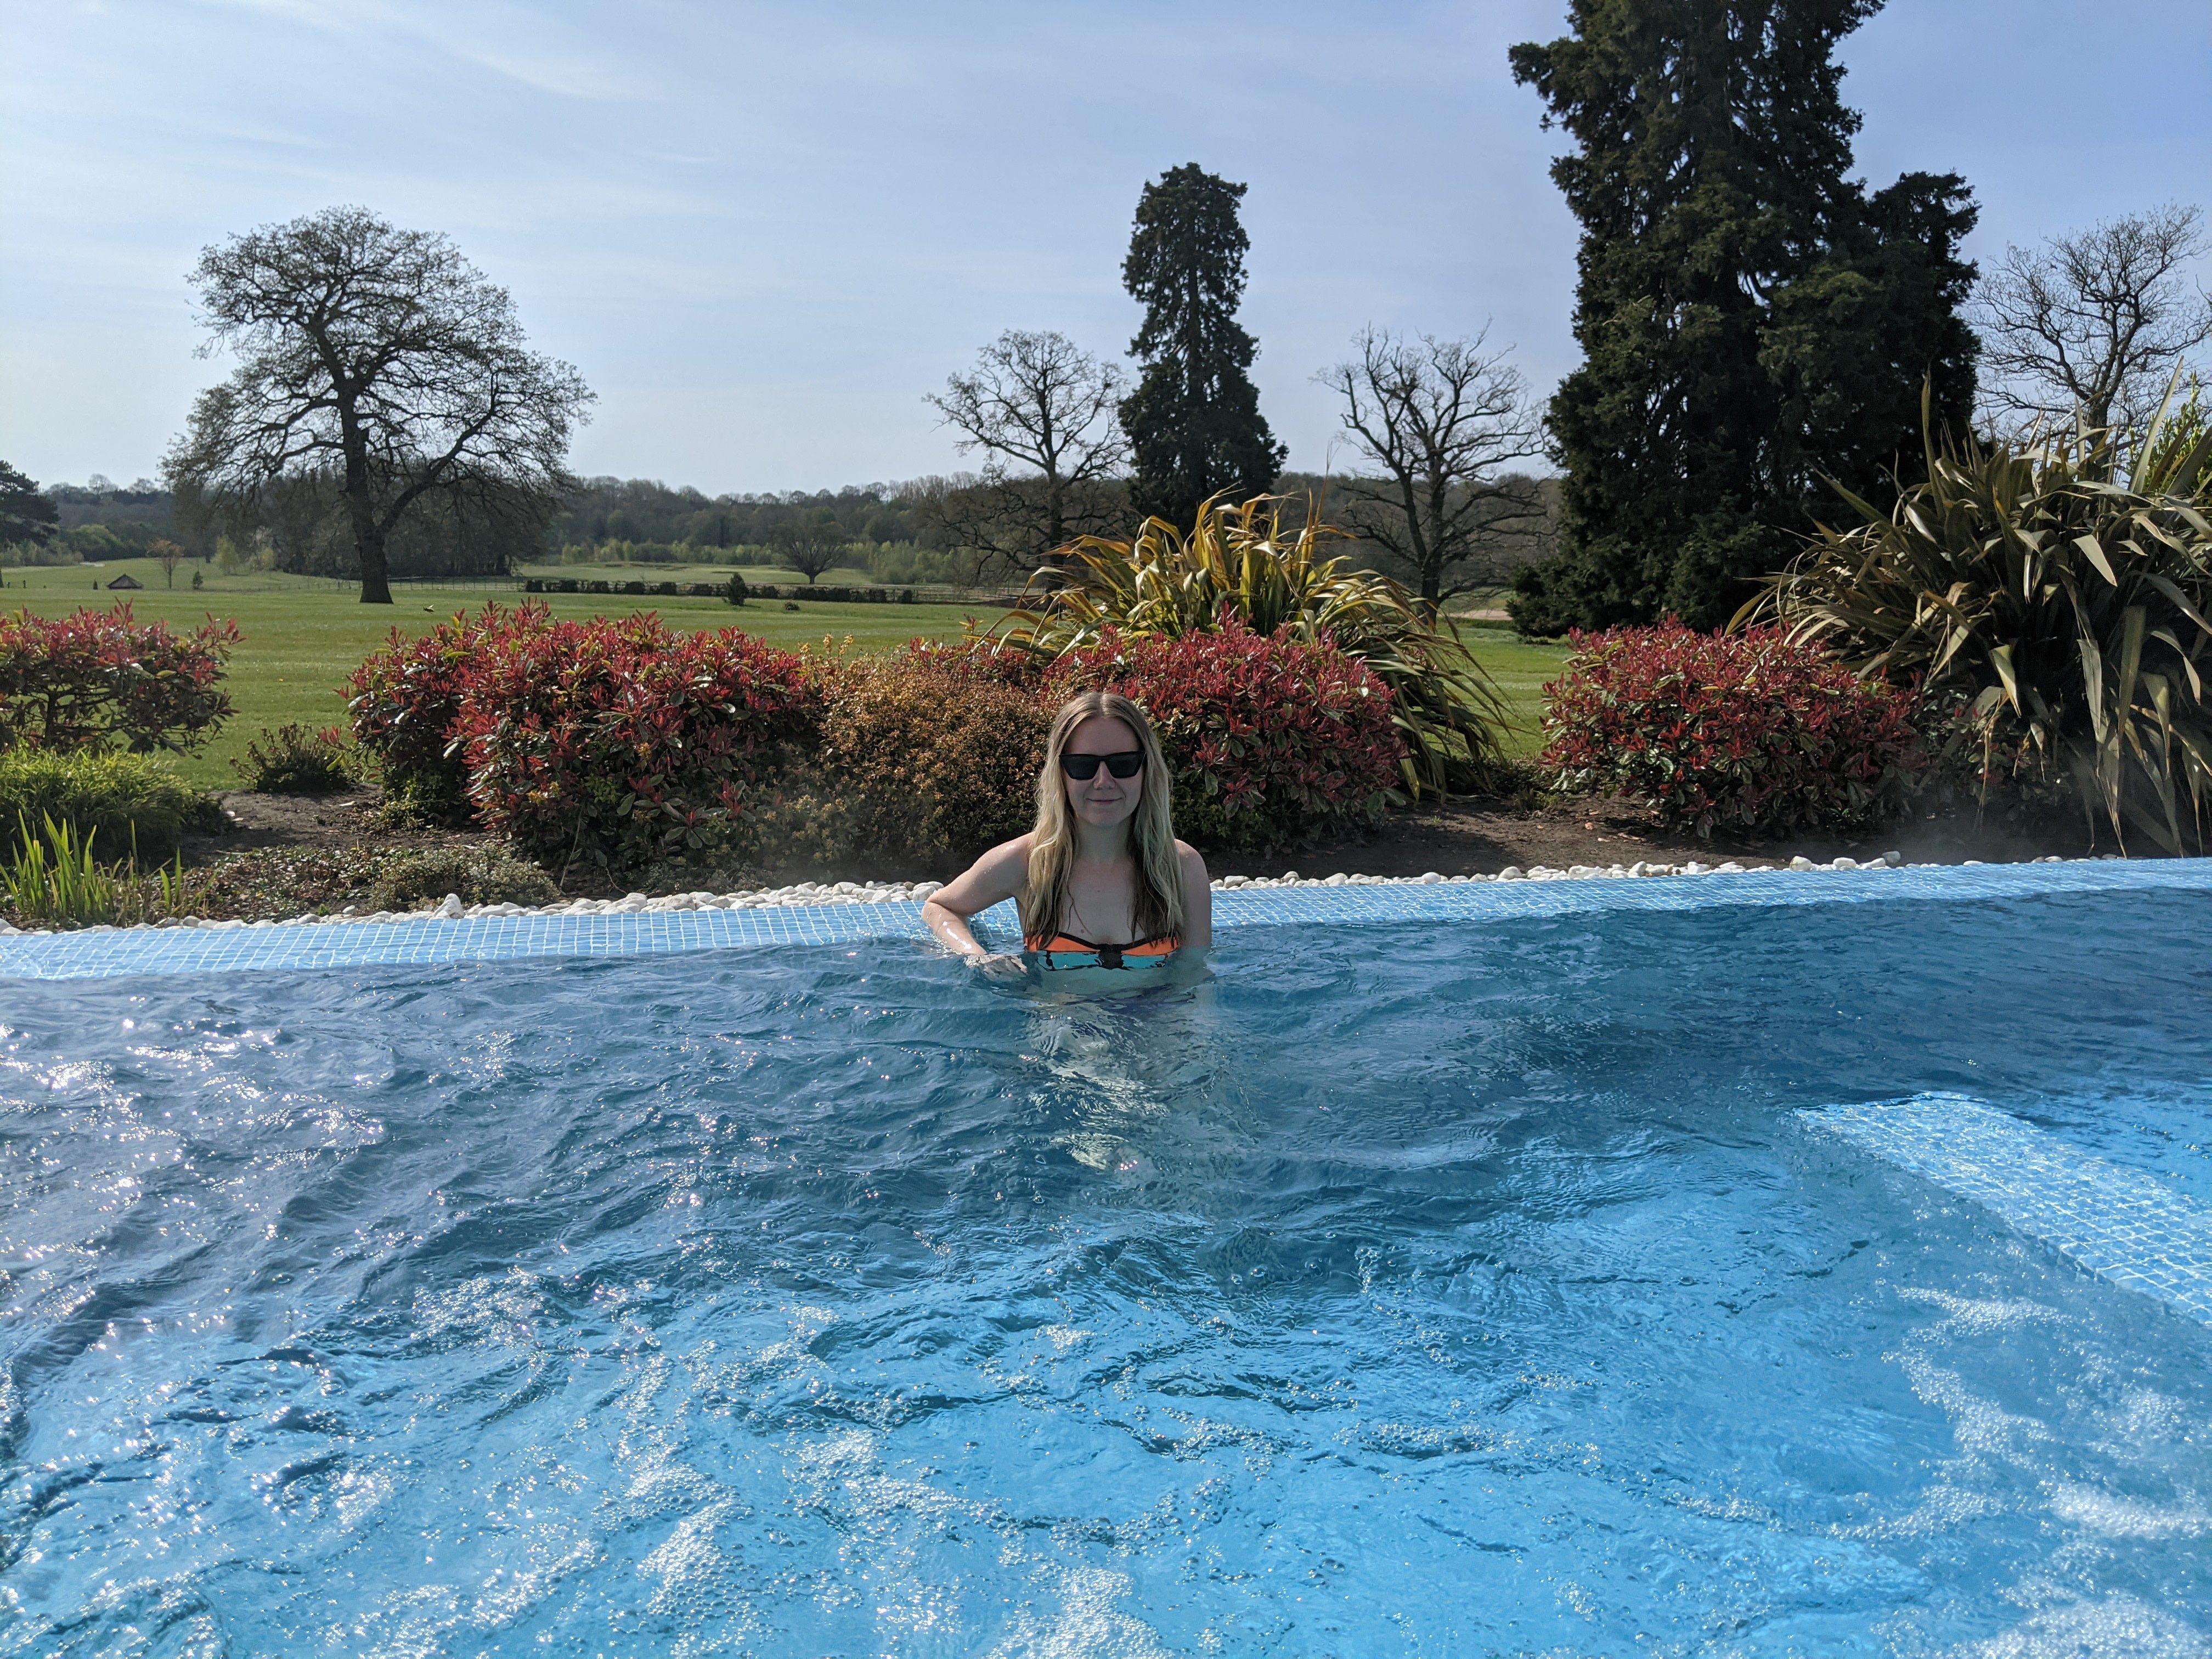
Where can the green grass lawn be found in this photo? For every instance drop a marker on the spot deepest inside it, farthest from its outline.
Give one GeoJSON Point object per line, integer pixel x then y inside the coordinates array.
{"type": "Point", "coordinates": [300, 636]}
{"type": "Point", "coordinates": [1518, 668]}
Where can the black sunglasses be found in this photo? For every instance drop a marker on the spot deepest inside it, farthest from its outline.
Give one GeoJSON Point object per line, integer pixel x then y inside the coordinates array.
{"type": "Point", "coordinates": [1083, 767]}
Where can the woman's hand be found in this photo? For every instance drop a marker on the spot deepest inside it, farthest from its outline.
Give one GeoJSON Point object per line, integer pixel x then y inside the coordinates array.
{"type": "Point", "coordinates": [996, 965]}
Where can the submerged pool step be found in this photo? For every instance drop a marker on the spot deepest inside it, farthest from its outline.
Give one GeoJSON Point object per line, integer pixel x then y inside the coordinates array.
{"type": "Point", "coordinates": [2120, 1223]}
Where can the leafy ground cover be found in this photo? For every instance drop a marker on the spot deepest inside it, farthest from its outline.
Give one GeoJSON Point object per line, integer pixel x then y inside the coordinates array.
{"type": "Point", "coordinates": [300, 636]}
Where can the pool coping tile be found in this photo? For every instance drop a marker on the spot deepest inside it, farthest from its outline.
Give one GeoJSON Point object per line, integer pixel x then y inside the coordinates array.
{"type": "Point", "coordinates": [429, 939]}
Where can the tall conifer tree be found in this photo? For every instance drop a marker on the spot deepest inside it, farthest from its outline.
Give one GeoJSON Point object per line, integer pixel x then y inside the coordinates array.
{"type": "Point", "coordinates": [1193, 423]}
{"type": "Point", "coordinates": [1752, 321]}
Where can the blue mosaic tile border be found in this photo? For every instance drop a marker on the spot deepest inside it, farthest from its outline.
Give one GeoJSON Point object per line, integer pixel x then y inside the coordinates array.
{"type": "Point", "coordinates": [500, 938]}
{"type": "Point", "coordinates": [2121, 1224]}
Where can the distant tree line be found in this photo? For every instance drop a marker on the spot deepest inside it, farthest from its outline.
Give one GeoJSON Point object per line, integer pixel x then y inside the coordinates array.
{"type": "Point", "coordinates": [67, 524]}
{"type": "Point", "coordinates": [957, 529]}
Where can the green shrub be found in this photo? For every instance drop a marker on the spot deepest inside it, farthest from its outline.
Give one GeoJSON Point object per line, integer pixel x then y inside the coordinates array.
{"type": "Point", "coordinates": [2053, 621]}
{"type": "Point", "coordinates": [299, 761]}
{"type": "Point", "coordinates": [113, 799]}
{"type": "Point", "coordinates": [481, 875]}
{"type": "Point", "coordinates": [735, 592]}
{"type": "Point", "coordinates": [919, 760]}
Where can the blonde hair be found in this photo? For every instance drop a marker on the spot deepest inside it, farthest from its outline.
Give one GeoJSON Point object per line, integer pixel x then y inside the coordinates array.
{"type": "Point", "coordinates": [1158, 909]}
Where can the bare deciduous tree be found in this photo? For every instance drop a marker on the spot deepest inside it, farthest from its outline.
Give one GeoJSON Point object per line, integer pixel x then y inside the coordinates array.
{"type": "Point", "coordinates": [2094, 323]}
{"type": "Point", "coordinates": [1442, 420]}
{"type": "Point", "coordinates": [1043, 410]}
{"type": "Point", "coordinates": [382, 355]}
{"type": "Point", "coordinates": [810, 544]}
{"type": "Point", "coordinates": [166, 554]}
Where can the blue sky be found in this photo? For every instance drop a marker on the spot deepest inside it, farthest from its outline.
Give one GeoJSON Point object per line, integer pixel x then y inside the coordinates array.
{"type": "Point", "coordinates": [764, 233]}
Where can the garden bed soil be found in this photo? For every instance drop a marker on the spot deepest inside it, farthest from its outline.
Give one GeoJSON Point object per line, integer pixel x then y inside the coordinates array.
{"type": "Point", "coordinates": [1481, 837]}
{"type": "Point", "coordinates": [350, 819]}
{"type": "Point", "coordinates": [1478, 837]}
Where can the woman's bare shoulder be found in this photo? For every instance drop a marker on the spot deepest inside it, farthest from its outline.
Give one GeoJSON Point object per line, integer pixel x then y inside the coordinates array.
{"type": "Point", "coordinates": [1192, 862]}
{"type": "Point", "coordinates": [999, 874]}
{"type": "Point", "coordinates": [1016, 851]}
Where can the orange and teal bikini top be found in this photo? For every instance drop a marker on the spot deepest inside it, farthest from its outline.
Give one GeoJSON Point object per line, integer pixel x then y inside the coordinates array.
{"type": "Point", "coordinates": [1066, 951]}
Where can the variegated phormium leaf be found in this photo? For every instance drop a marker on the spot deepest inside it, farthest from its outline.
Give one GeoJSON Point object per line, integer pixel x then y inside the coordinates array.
{"type": "Point", "coordinates": [2062, 616]}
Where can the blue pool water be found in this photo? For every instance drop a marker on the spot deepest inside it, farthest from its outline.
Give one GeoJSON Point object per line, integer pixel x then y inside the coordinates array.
{"type": "Point", "coordinates": [1494, 1287]}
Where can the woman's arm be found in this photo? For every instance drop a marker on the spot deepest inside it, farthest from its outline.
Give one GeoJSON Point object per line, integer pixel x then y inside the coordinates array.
{"type": "Point", "coordinates": [999, 874]}
{"type": "Point", "coordinates": [1197, 899]}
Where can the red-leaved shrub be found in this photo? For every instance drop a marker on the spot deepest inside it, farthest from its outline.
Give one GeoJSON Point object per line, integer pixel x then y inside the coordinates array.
{"type": "Point", "coordinates": [405, 698]}
{"type": "Point", "coordinates": [1272, 741]}
{"type": "Point", "coordinates": [99, 680]}
{"type": "Point", "coordinates": [622, 744]}
{"type": "Point", "coordinates": [618, 744]}
{"type": "Point", "coordinates": [1743, 731]}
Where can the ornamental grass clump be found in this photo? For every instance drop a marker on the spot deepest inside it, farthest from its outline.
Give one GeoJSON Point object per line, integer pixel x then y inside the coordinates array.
{"type": "Point", "coordinates": [1240, 562]}
{"type": "Point", "coordinates": [2052, 621]}
{"type": "Point", "coordinates": [1748, 732]}
{"type": "Point", "coordinates": [55, 879]}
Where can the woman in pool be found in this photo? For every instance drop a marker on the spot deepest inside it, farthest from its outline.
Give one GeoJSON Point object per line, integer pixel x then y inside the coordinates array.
{"type": "Point", "coordinates": [1102, 880]}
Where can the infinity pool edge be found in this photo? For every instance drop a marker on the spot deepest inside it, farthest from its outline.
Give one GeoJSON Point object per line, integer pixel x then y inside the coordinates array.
{"type": "Point", "coordinates": [500, 938]}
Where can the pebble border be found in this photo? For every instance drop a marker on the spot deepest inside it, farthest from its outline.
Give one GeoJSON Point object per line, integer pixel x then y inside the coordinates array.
{"type": "Point", "coordinates": [810, 894]}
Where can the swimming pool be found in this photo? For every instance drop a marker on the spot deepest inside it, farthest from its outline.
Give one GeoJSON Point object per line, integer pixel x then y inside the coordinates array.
{"type": "Point", "coordinates": [1794, 1265]}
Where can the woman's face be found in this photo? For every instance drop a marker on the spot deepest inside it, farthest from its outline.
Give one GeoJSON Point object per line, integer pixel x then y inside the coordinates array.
{"type": "Point", "coordinates": [1103, 798]}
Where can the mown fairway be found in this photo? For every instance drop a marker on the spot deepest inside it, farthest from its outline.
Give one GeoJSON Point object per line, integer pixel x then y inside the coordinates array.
{"type": "Point", "coordinates": [300, 636]}
{"type": "Point", "coordinates": [1518, 668]}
